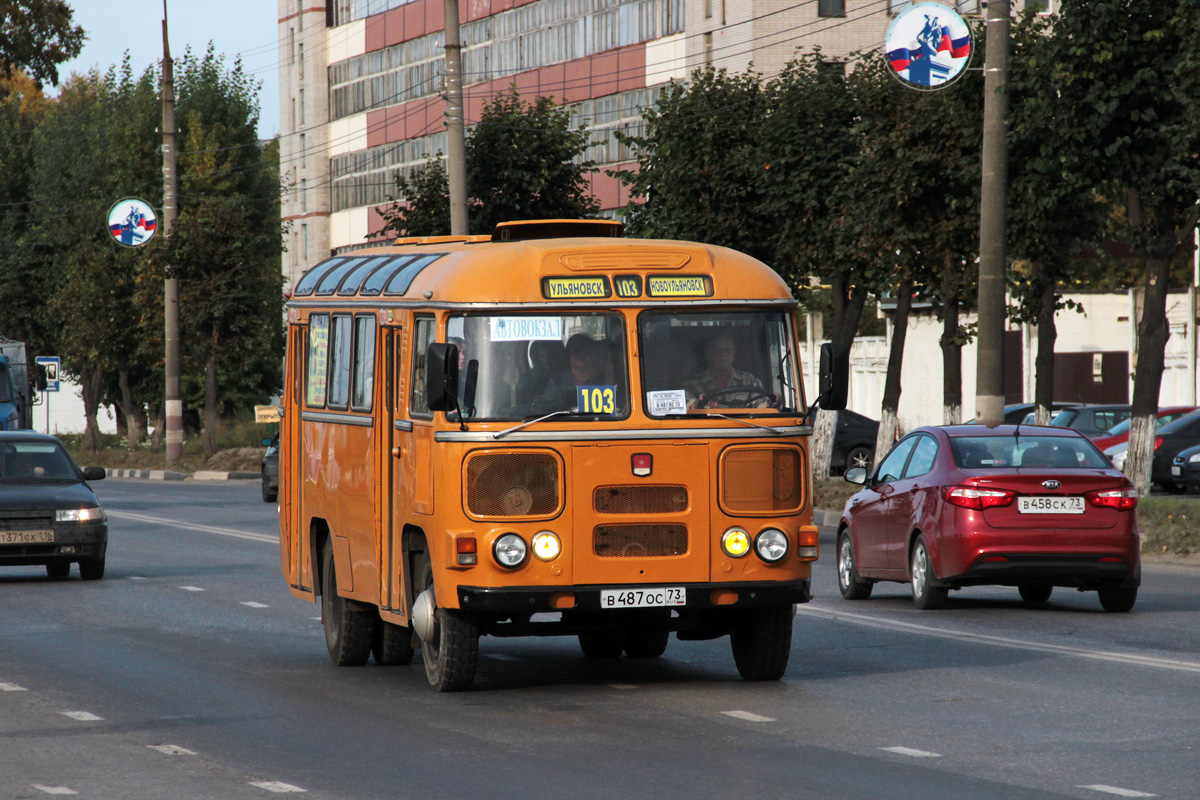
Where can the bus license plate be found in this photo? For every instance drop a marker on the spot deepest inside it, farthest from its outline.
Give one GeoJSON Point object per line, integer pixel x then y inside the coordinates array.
{"type": "Point", "coordinates": [643, 598]}
{"type": "Point", "coordinates": [26, 537]}
{"type": "Point", "coordinates": [1050, 505]}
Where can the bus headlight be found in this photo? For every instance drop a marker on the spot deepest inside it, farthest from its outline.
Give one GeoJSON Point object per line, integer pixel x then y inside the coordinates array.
{"type": "Point", "coordinates": [771, 545]}
{"type": "Point", "coordinates": [509, 550]}
{"type": "Point", "coordinates": [735, 542]}
{"type": "Point", "coordinates": [546, 546]}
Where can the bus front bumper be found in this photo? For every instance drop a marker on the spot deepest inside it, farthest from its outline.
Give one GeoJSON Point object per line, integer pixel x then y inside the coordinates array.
{"type": "Point", "coordinates": [699, 597]}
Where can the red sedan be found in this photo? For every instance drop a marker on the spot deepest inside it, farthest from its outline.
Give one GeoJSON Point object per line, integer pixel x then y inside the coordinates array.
{"type": "Point", "coordinates": [966, 505]}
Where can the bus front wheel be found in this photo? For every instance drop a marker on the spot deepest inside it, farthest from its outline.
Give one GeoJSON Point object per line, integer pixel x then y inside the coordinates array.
{"type": "Point", "coordinates": [451, 654]}
{"type": "Point", "coordinates": [349, 625]}
{"type": "Point", "coordinates": [762, 642]}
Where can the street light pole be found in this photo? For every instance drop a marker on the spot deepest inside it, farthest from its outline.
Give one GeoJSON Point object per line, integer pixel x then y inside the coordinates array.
{"type": "Point", "coordinates": [993, 223]}
{"type": "Point", "coordinates": [174, 396]}
{"type": "Point", "coordinates": [456, 147]}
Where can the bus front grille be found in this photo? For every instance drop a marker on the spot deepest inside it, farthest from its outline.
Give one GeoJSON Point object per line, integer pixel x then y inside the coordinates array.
{"type": "Point", "coordinates": [640, 499]}
{"type": "Point", "coordinates": [639, 541]}
{"type": "Point", "coordinates": [758, 480]}
{"type": "Point", "coordinates": [513, 484]}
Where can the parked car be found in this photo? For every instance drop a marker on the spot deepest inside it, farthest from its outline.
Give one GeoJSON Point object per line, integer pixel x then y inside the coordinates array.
{"type": "Point", "coordinates": [1185, 468]}
{"type": "Point", "coordinates": [1091, 420]}
{"type": "Point", "coordinates": [1120, 432]}
{"type": "Point", "coordinates": [853, 441]}
{"type": "Point", "coordinates": [270, 470]}
{"type": "Point", "coordinates": [48, 512]}
{"type": "Point", "coordinates": [1169, 441]}
{"type": "Point", "coordinates": [957, 506]}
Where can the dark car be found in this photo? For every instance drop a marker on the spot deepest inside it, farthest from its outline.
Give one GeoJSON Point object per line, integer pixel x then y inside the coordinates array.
{"type": "Point", "coordinates": [1169, 441]}
{"type": "Point", "coordinates": [1017, 412]}
{"type": "Point", "coordinates": [48, 513]}
{"type": "Point", "coordinates": [1091, 420]}
{"type": "Point", "coordinates": [957, 506]}
{"type": "Point", "coordinates": [853, 441]}
{"type": "Point", "coordinates": [270, 470]}
{"type": "Point", "coordinates": [1120, 432]}
{"type": "Point", "coordinates": [1185, 468]}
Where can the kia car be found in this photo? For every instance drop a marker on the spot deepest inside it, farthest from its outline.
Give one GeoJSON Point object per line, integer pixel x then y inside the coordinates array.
{"type": "Point", "coordinates": [48, 513]}
{"type": "Point", "coordinates": [958, 506]}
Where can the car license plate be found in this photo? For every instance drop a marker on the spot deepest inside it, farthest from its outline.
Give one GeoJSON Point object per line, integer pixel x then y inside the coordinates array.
{"type": "Point", "coordinates": [1050, 505]}
{"type": "Point", "coordinates": [1176, 470]}
{"type": "Point", "coordinates": [26, 537]}
{"type": "Point", "coordinates": [643, 598]}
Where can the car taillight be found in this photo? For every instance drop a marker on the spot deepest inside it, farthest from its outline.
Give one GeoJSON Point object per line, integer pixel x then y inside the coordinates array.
{"type": "Point", "coordinates": [970, 497]}
{"type": "Point", "coordinates": [1157, 442]}
{"type": "Point", "coordinates": [1117, 498]}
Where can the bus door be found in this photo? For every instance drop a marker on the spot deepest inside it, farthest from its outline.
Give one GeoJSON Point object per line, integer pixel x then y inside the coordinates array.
{"type": "Point", "coordinates": [292, 541]}
{"type": "Point", "coordinates": [391, 420]}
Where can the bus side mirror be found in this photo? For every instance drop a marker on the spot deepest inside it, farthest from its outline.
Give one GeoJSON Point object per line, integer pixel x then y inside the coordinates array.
{"type": "Point", "coordinates": [39, 377]}
{"type": "Point", "coordinates": [441, 380]}
{"type": "Point", "coordinates": [835, 376]}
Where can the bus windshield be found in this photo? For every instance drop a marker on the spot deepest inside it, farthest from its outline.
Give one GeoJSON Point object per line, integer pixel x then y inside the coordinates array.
{"type": "Point", "coordinates": [519, 367]}
{"type": "Point", "coordinates": [696, 361]}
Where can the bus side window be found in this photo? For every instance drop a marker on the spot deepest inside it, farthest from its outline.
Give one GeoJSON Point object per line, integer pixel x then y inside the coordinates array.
{"type": "Point", "coordinates": [423, 335]}
{"type": "Point", "coordinates": [364, 362]}
{"type": "Point", "coordinates": [318, 360]}
{"type": "Point", "coordinates": [339, 362]}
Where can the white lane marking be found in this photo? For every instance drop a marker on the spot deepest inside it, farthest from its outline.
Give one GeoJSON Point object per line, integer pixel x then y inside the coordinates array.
{"type": "Point", "coordinates": [187, 526]}
{"type": "Point", "coordinates": [318, 619]}
{"type": "Point", "coordinates": [621, 686]}
{"type": "Point", "coordinates": [82, 716]}
{"type": "Point", "coordinates": [172, 749]}
{"type": "Point", "coordinates": [54, 789]}
{"type": "Point", "coordinates": [746, 715]}
{"type": "Point", "coordinates": [135, 578]}
{"type": "Point", "coordinates": [1001, 641]}
{"type": "Point", "coordinates": [191, 588]}
{"type": "Point", "coordinates": [253, 604]}
{"type": "Point", "coordinates": [908, 751]}
{"type": "Point", "coordinates": [1117, 790]}
{"type": "Point", "coordinates": [277, 786]}
{"type": "Point", "coordinates": [11, 687]}
{"type": "Point", "coordinates": [502, 657]}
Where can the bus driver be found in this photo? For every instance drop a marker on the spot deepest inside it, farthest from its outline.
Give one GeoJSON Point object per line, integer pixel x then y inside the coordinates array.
{"type": "Point", "coordinates": [718, 384]}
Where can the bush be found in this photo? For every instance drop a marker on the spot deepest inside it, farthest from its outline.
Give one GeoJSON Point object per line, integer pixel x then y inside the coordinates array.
{"type": "Point", "coordinates": [1169, 525]}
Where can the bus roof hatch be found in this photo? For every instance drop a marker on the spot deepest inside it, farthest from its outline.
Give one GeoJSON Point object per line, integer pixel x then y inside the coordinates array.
{"type": "Point", "coordinates": [521, 230]}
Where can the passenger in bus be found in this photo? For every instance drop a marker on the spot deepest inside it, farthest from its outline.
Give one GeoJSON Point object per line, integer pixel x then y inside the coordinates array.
{"type": "Point", "coordinates": [466, 394]}
{"type": "Point", "coordinates": [585, 368]}
{"type": "Point", "coordinates": [549, 359]}
{"type": "Point", "coordinates": [715, 386]}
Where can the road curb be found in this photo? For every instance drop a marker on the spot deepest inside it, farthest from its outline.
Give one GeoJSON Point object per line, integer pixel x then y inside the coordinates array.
{"type": "Point", "coordinates": [168, 475]}
{"type": "Point", "coordinates": [826, 517]}
{"type": "Point", "coordinates": [211, 475]}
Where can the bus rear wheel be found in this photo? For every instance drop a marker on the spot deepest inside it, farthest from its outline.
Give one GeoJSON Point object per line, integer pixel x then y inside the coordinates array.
{"type": "Point", "coordinates": [349, 625]}
{"type": "Point", "coordinates": [451, 654]}
{"type": "Point", "coordinates": [392, 645]}
{"type": "Point", "coordinates": [762, 642]}
{"type": "Point", "coordinates": [646, 644]}
{"type": "Point", "coordinates": [601, 645]}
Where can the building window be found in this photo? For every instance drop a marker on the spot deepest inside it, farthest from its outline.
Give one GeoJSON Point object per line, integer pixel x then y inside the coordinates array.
{"type": "Point", "coordinates": [708, 9]}
{"type": "Point", "coordinates": [301, 106]}
{"type": "Point", "coordinates": [300, 14]}
{"type": "Point", "coordinates": [831, 8]}
{"type": "Point", "coordinates": [304, 243]}
{"type": "Point", "coordinates": [708, 48]}
{"type": "Point", "coordinates": [896, 6]}
{"type": "Point", "coordinates": [303, 151]}
{"type": "Point", "coordinates": [303, 195]}
{"type": "Point", "coordinates": [300, 57]}
{"type": "Point", "coordinates": [968, 7]}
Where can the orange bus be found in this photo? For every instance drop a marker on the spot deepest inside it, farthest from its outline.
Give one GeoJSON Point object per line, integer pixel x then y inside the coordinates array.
{"type": "Point", "coordinates": [550, 430]}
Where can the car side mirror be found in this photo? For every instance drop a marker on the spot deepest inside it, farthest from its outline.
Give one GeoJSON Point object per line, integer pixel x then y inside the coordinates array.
{"type": "Point", "coordinates": [835, 376]}
{"type": "Point", "coordinates": [94, 473]}
{"type": "Point", "coordinates": [441, 380]}
{"type": "Point", "coordinates": [856, 475]}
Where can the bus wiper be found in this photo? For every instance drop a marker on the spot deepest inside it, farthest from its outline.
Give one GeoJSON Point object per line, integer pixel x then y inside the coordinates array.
{"type": "Point", "coordinates": [774, 431]}
{"type": "Point", "coordinates": [527, 423]}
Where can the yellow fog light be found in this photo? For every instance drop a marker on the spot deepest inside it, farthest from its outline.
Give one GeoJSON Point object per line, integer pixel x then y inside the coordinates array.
{"type": "Point", "coordinates": [546, 546]}
{"type": "Point", "coordinates": [735, 542]}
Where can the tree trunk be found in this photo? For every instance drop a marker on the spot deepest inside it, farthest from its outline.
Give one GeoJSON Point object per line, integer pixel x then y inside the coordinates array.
{"type": "Point", "coordinates": [891, 388]}
{"type": "Point", "coordinates": [91, 388]}
{"type": "Point", "coordinates": [210, 404]}
{"type": "Point", "coordinates": [951, 347]}
{"type": "Point", "coordinates": [1043, 366]}
{"type": "Point", "coordinates": [133, 415]}
{"type": "Point", "coordinates": [1153, 331]}
{"type": "Point", "coordinates": [159, 427]}
{"type": "Point", "coordinates": [848, 303]}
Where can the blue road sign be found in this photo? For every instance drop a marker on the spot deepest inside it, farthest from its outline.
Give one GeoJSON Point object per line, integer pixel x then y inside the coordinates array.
{"type": "Point", "coordinates": [51, 364]}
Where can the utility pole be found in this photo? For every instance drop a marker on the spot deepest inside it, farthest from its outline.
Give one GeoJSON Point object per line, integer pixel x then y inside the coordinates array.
{"type": "Point", "coordinates": [456, 146]}
{"type": "Point", "coordinates": [993, 223]}
{"type": "Point", "coordinates": [174, 397]}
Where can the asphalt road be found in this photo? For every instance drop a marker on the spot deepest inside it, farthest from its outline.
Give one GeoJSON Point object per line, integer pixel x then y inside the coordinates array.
{"type": "Point", "coordinates": [190, 672]}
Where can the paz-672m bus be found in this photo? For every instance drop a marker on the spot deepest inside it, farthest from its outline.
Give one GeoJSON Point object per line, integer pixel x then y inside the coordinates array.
{"type": "Point", "coordinates": [550, 430]}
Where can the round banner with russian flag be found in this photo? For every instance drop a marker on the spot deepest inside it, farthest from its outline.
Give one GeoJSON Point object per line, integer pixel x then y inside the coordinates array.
{"type": "Point", "coordinates": [928, 45]}
{"type": "Point", "coordinates": [132, 222]}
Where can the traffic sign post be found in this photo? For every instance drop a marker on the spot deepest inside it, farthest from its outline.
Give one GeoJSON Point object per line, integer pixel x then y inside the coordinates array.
{"type": "Point", "coordinates": [50, 366]}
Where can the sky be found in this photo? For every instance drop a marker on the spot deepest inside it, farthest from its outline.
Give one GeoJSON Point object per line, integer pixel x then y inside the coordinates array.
{"type": "Point", "coordinates": [245, 28]}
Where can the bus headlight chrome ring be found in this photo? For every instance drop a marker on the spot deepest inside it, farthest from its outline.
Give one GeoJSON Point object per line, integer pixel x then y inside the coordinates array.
{"type": "Point", "coordinates": [735, 542]}
{"type": "Point", "coordinates": [771, 544]}
{"type": "Point", "coordinates": [546, 546]}
{"type": "Point", "coordinates": [509, 550]}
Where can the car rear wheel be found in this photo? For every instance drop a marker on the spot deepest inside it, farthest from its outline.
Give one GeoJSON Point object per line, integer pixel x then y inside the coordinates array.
{"type": "Point", "coordinates": [762, 642]}
{"type": "Point", "coordinates": [58, 569]}
{"type": "Point", "coordinates": [92, 569]}
{"type": "Point", "coordinates": [269, 495]}
{"type": "Point", "coordinates": [926, 596]}
{"type": "Point", "coordinates": [851, 585]}
{"type": "Point", "coordinates": [1118, 599]}
{"type": "Point", "coordinates": [646, 644]}
{"type": "Point", "coordinates": [601, 645]}
{"type": "Point", "coordinates": [860, 457]}
{"type": "Point", "coordinates": [1035, 592]}
{"type": "Point", "coordinates": [349, 625]}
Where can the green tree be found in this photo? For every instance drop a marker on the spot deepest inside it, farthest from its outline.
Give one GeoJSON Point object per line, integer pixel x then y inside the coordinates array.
{"type": "Point", "coordinates": [426, 209]}
{"type": "Point", "coordinates": [36, 36]}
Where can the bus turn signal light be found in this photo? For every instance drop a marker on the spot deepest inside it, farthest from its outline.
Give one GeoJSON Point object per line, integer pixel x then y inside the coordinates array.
{"type": "Point", "coordinates": [465, 551]}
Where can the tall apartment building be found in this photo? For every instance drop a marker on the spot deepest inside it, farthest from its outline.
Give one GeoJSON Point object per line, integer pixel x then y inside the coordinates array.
{"type": "Point", "coordinates": [361, 81]}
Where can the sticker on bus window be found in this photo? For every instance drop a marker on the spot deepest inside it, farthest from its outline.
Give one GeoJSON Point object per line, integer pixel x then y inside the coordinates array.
{"type": "Point", "coordinates": [673, 401]}
{"type": "Point", "coordinates": [519, 329]}
{"type": "Point", "coordinates": [596, 399]}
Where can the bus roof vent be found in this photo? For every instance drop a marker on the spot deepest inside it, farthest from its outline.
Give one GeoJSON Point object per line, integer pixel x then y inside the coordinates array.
{"type": "Point", "coordinates": [522, 230]}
